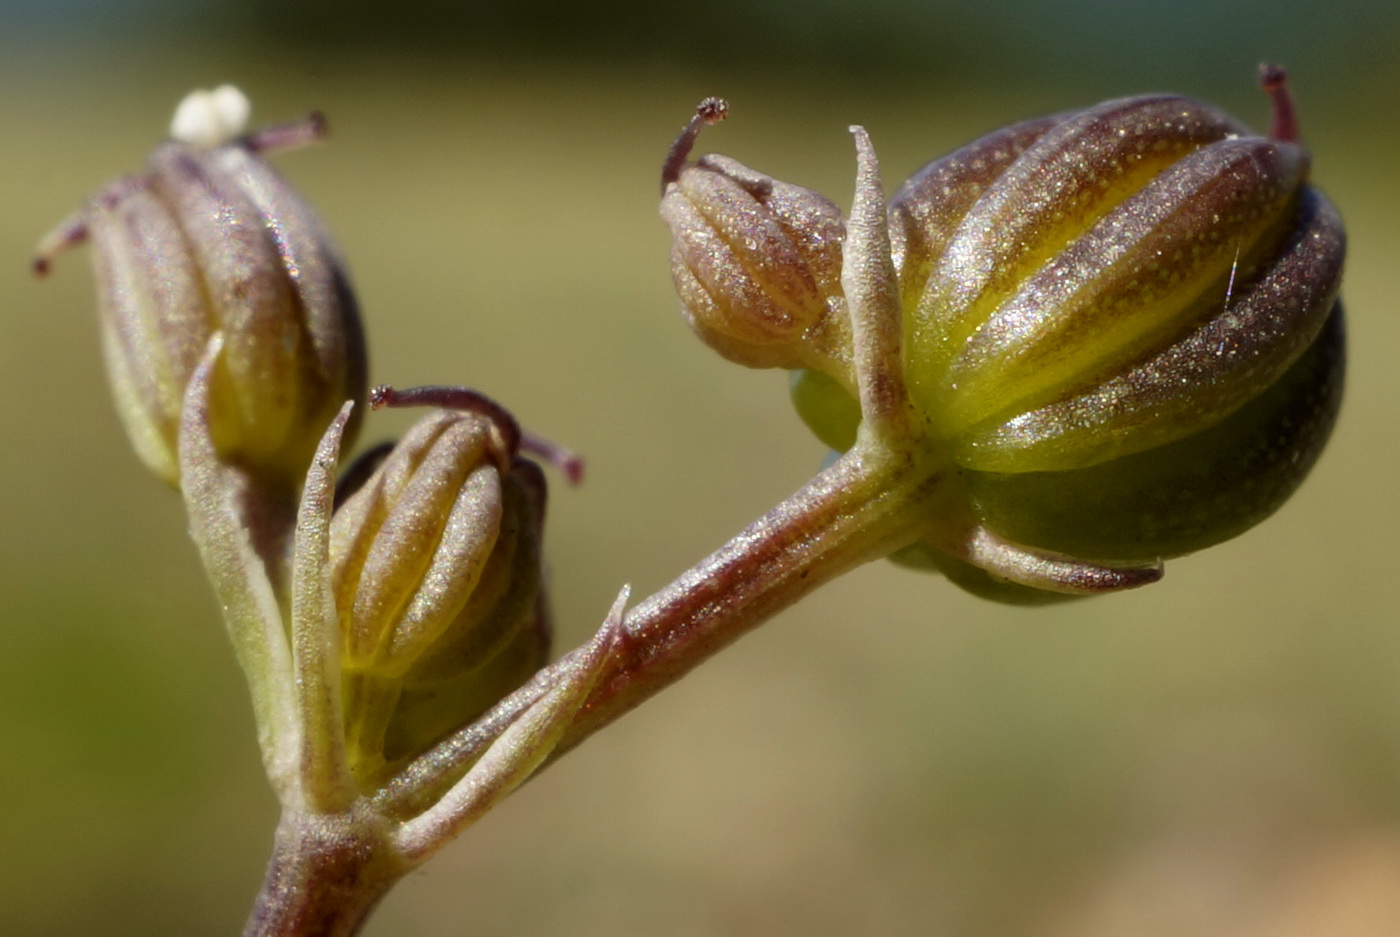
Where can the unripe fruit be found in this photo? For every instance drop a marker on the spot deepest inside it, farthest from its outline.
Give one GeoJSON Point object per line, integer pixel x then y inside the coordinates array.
{"type": "Point", "coordinates": [209, 238]}
{"type": "Point", "coordinates": [1119, 335]}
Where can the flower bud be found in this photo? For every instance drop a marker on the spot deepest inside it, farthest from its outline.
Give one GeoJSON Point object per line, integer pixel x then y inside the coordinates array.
{"type": "Point", "coordinates": [210, 238]}
{"type": "Point", "coordinates": [756, 261]}
{"type": "Point", "coordinates": [435, 568]}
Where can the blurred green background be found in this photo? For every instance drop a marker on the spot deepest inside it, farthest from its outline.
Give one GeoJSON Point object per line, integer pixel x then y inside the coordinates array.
{"type": "Point", "coordinates": [1216, 754]}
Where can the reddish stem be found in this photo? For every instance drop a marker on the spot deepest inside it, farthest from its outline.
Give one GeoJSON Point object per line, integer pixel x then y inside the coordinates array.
{"type": "Point", "coordinates": [310, 129]}
{"type": "Point", "coordinates": [71, 232]}
{"type": "Point", "coordinates": [569, 463]}
{"type": "Point", "coordinates": [450, 398]}
{"type": "Point", "coordinates": [855, 511]}
{"type": "Point", "coordinates": [325, 876]}
{"type": "Point", "coordinates": [709, 111]}
{"type": "Point", "coordinates": [1284, 124]}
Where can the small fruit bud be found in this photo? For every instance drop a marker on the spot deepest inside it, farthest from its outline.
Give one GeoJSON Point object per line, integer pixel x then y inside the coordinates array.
{"type": "Point", "coordinates": [501, 636]}
{"type": "Point", "coordinates": [436, 571]}
{"type": "Point", "coordinates": [756, 261]}
{"type": "Point", "coordinates": [408, 548]}
{"type": "Point", "coordinates": [210, 238]}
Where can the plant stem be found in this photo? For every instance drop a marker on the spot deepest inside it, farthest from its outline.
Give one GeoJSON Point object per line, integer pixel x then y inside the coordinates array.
{"type": "Point", "coordinates": [326, 874]}
{"type": "Point", "coordinates": [861, 508]}
{"type": "Point", "coordinates": [328, 871]}
{"type": "Point", "coordinates": [856, 511]}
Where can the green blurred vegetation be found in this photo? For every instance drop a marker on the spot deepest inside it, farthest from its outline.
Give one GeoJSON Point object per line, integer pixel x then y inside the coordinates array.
{"type": "Point", "coordinates": [1216, 754]}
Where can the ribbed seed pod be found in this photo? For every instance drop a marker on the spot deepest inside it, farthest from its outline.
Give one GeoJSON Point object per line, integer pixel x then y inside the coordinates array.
{"type": "Point", "coordinates": [210, 238]}
{"type": "Point", "coordinates": [495, 643]}
{"type": "Point", "coordinates": [1115, 287]}
{"type": "Point", "coordinates": [435, 568]}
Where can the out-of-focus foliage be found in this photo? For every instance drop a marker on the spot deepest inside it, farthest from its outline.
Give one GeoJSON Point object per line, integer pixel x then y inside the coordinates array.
{"type": "Point", "coordinates": [1007, 42]}
{"type": "Point", "coordinates": [1216, 755]}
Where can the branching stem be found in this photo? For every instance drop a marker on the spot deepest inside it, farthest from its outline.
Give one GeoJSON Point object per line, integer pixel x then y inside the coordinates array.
{"type": "Point", "coordinates": [326, 874]}
{"type": "Point", "coordinates": [328, 871]}
{"type": "Point", "coordinates": [861, 508]}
